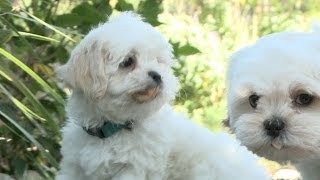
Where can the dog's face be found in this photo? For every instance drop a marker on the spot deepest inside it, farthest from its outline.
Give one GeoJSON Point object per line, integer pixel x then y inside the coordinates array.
{"type": "Point", "coordinates": [274, 96]}
{"type": "Point", "coordinates": [123, 66]}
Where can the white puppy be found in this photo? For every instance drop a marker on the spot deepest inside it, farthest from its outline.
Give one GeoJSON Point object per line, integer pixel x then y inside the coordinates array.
{"type": "Point", "coordinates": [274, 99]}
{"type": "Point", "coordinates": [120, 124]}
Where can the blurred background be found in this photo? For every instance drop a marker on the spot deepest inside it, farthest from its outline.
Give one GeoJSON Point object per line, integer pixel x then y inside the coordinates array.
{"type": "Point", "coordinates": [38, 35]}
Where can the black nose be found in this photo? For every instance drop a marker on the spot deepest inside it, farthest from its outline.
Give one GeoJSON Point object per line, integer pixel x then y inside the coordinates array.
{"type": "Point", "coordinates": [155, 76]}
{"type": "Point", "coordinates": [274, 126]}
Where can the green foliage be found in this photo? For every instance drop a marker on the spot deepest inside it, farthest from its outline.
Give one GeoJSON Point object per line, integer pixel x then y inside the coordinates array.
{"type": "Point", "coordinates": [37, 35]}
{"type": "Point", "coordinates": [217, 28]}
{"type": "Point", "coordinates": [83, 16]}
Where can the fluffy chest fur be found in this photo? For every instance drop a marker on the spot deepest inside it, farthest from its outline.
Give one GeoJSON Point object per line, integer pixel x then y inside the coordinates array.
{"type": "Point", "coordinates": [128, 149]}
{"type": "Point", "coordinates": [164, 146]}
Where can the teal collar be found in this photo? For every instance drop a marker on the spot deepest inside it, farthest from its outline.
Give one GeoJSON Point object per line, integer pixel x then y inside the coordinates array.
{"type": "Point", "coordinates": [108, 129]}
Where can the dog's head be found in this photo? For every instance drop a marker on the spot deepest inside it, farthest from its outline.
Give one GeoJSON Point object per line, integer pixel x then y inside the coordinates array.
{"type": "Point", "coordinates": [123, 66]}
{"type": "Point", "coordinates": [274, 96]}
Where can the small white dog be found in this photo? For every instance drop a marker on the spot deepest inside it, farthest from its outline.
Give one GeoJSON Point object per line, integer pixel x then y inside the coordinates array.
{"type": "Point", "coordinates": [274, 99]}
{"type": "Point", "coordinates": [120, 124]}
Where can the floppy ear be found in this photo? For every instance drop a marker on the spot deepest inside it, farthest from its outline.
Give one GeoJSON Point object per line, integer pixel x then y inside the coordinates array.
{"type": "Point", "coordinates": [85, 70]}
{"type": "Point", "coordinates": [226, 122]}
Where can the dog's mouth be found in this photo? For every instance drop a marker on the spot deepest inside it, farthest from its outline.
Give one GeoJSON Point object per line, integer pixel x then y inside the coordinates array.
{"type": "Point", "coordinates": [284, 150]}
{"type": "Point", "coordinates": [283, 153]}
{"type": "Point", "coordinates": [147, 94]}
{"type": "Point", "coordinates": [278, 144]}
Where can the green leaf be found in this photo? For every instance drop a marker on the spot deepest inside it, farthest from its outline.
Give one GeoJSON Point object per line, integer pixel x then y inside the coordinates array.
{"type": "Point", "coordinates": [29, 97]}
{"type": "Point", "coordinates": [28, 112]}
{"type": "Point", "coordinates": [31, 139]}
{"type": "Point", "coordinates": [103, 6]}
{"type": "Point", "coordinates": [20, 166]}
{"type": "Point", "coordinates": [36, 36]}
{"type": "Point", "coordinates": [89, 14]}
{"type": "Point", "coordinates": [62, 54]}
{"type": "Point", "coordinates": [122, 5]}
{"type": "Point", "coordinates": [187, 50]}
{"type": "Point", "coordinates": [150, 9]}
{"type": "Point", "coordinates": [49, 26]}
{"type": "Point", "coordinates": [175, 46]}
{"type": "Point", "coordinates": [25, 110]}
{"type": "Point", "coordinates": [85, 16]}
{"type": "Point", "coordinates": [69, 20]}
{"type": "Point", "coordinates": [5, 5]}
{"type": "Point", "coordinates": [8, 109]}
{"type": "Point", "coordinates": [32, 74]}
{"type": "Point", "coordinates": [5, 75]}
{"type": "Point", "coordinates": [5, 35]}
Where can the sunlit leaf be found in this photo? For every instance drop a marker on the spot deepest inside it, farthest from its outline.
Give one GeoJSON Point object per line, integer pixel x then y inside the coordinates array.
{"type": "Point", "coordinates": [50, 26]}
{"type": "Point", "coordinates": [26, 111]}
{"type": "Point", "coordinates": [5, 75]}
{"type": "Point", "coordinates": [32, 74]}
{"type": "Point", "coordinates": [187, 50]}
{"type": "Point", "coordinates": [43, 69]}
{"type": "Point", "coordinates": [36, 36]}
{"type": "Point", "coordinates": [30, 97]}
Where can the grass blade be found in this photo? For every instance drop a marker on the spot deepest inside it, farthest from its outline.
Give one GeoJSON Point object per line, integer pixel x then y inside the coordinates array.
{"type": "Point", "coordinates": [50, 27]}
{"type": "Point", "coordinates": [43, 151]}
{"type": "Point", "coordinates": [32, 74]}
{"type": "Point", "coordinates": [25, 110]}
{"type": "Point", "coordinates": [32, 99]}
{"type": "Point", "coordinates": [38, 37]}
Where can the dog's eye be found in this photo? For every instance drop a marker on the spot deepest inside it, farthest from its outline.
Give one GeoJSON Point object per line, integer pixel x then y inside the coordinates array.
{"type": "Point", "coordinates": [128, 62]}
{"type": "Point", "coordinates": [253, 100]}
{"type": "Point", "coordinates": [304, 99]}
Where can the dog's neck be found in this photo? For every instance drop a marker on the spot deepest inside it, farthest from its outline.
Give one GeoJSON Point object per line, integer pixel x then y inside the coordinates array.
{"type": "Point", "coordinates": [108, 129]}
{"type": "Point", "coordinates": [87, 114]}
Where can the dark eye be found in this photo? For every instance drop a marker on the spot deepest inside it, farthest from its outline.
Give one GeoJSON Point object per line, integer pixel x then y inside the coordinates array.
{"type": "Point", "coordinates": [128, 62]}
{"type": "Point", "coordinates": [253, 100]}
{"type": "Point", "coordinates": [304, 99]}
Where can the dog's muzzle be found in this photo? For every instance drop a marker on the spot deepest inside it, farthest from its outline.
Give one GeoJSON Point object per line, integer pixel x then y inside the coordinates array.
{"type": "Point", "coordinates": [274, 126]}
{"type": "Point", "coordinates": [146, 94]}
{"type": "Point", "coordinates": [151, 91]}
{"type": "Point", "coordinates": [155, 77]}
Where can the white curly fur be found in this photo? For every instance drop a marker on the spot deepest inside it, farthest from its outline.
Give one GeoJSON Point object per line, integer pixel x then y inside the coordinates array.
{"type": "Point", "coordinates": [162, 144]}
{"type": "Point", "coordinates": [278, 68]}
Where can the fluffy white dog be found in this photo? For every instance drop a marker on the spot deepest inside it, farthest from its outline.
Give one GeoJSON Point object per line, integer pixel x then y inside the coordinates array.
{"type": "Point", "coordinates": [274, 99]}
{"type": "Point", "coordinates": [120, 124]}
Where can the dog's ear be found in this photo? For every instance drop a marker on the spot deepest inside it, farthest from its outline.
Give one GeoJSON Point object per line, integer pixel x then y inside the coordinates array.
{"type": "Point", "coordinates": [226, 122]}
{"type": "Point", "coordinates": [86, 70]}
